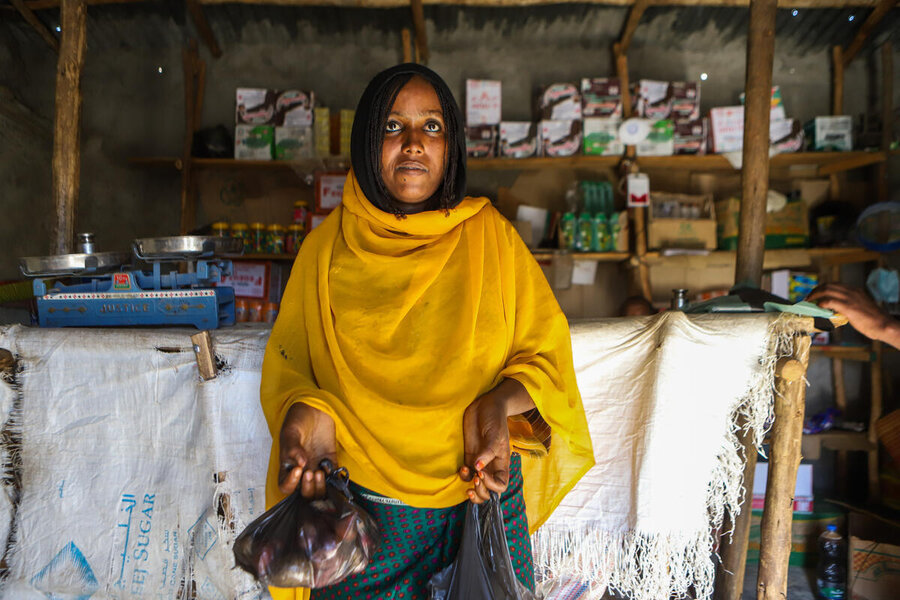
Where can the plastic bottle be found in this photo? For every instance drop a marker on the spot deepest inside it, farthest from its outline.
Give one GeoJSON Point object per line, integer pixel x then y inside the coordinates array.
{"type": "Point", "coordinates": [601, 235]}
{"type": "Point", "coordinates": [584, 237]}
{"type": "Point", "coordinates": [567, 230]}
{"type": "Point", "coordinates": [831, 573]}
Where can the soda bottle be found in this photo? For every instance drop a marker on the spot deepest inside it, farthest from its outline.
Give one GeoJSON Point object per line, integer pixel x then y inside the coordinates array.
{"type": "Point", "coordinates": [831, 573]}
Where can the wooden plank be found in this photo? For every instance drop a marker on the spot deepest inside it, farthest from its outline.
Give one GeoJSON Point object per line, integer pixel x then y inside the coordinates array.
{"type": "Point", "coordinates": [36, 23]}
{"type": "Point", "coordinates": [597, 256]}
{"type": "Point", "coordinates": [407, 45]}
{"type": "Point", "coordinates": [875, 409]}
{"type": "Point", "coordinates": [858, 159]}
{"type": "Point", "coordinates": [631, 23]}
{"type": "Point", "coordinates": [874, 18]}
{"type": "Point", "coordinates": [787, 433]}
{"type": "Point", "coordinates": [203, 353]}
{"type": "Point", "coordinates": [887, 116]}
{"type": "Point", "coordinates": [854, 353]}
{"type": "Point", "coordinates": [66, 177]}
{"type": "Point", "coordinates": [202, 25]}
{"type": "Point", "coordinates": [837, 85]}
{"type": "Point", "coordinates": [755, 174]}
{"type": "Point", "coordinates": [418, 14]}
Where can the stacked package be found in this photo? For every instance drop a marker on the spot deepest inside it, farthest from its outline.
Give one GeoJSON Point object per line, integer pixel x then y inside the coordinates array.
{"type": "Point", "coordinates": [674, 111]}
{"type": "Point", "coordinates": [727, 127]}
{"type": "Point", "coordinates": [482, 117]}
{"type": "Point", "coordinates": [275, 123]}
{"type": "Point", "coordinates": [601, 107]}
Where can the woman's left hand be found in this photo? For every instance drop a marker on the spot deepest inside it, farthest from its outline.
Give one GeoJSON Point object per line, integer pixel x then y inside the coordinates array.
{"type": "Point", "coordinates": [486, 449]}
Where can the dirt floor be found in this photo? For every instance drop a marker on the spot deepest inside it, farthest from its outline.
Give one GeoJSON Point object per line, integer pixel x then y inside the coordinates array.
{"type": "Point", "coordinates": [801, 583]}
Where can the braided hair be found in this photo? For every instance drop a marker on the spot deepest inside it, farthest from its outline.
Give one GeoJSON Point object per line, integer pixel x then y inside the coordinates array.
{"type": "Point", "coordinates": [367, 139]}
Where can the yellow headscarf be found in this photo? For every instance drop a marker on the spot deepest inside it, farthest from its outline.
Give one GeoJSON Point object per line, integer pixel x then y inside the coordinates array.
{"type": "Point", "coordinates": [394, 326]}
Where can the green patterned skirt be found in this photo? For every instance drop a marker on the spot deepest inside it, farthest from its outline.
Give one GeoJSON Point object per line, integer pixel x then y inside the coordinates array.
{"type": "Point", "coordinates": [416, 543]}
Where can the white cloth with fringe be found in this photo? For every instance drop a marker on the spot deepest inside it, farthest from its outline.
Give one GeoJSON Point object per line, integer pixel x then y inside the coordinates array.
{"type": "Point", "coordinates": [663, 397]}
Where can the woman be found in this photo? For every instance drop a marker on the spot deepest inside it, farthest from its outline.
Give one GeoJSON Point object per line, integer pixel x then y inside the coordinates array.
{"type": "Point", "coordinates": [417, 342]}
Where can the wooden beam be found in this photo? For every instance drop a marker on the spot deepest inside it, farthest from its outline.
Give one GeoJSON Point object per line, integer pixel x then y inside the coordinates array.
{"type": "Point", "coordinates": [887, 116]}
{"type": "Point", "coordinates": [875, 17]}
{"type": "Point", "coordinates": [418, 14]}
{"type": "Point", "coordinates": [66, 174]}
{"type": "Point", "coordinates": [852, 162]}
{"type": "Point", "coordinates": [36, 24]}
{"type": "Point", "coordinates": [631, 23]}
{"type": "Point", "coordinates": [203, 28]}
{"type": "Point", "coordinates": [875, 410]}
{"type": "Point", "coordinates": [755, 172]}
{"type": "Point", "coordinates": [837, 85]}
{"type": "Point", "coordinates": [787, 433]}
{"type": "Point", "coordinates": [407, 45]}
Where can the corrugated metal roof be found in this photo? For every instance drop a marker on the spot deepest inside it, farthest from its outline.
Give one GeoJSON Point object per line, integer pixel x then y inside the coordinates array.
{"type": "Point", "coordinates": [164, 23]}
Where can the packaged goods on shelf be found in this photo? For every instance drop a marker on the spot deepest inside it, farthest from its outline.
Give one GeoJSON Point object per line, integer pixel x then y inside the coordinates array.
{"type": "Point", "coordinates": [255, 106]}
{"type": "Point", "coordinates": [481, 141]}
{"type": "Point", "coordinates": [329, 191]}
{"type": "Point", "coordinates": [346, 126]}
{"type": "Point", "coordinates": [793, 285]}
{"type": "Point", "coordinates": [786, 135]}
{"type": "Point", "coordinates": [601, 137]}
{"type": "Point", "coordinates": [681, 221]}
{"type": "Point", "coordinates": [560, 137]}
{"type": "Point", "coordinates": [690, 137]}
{"type": "Point", "coordinates": [254, 142]}
{"type": "Point", "coordinates": [294, 108]}
{"type": "Point", "coordinates": [832, 134]}
{"type": "Point", "coordinates": [660, 141]}
{"type": "Point", "coordinates": [601, 97]}
{"type": "Point", "coordinates": [777, 104]}
{"type": "Point", "coordinates": [785, 228]}
{"type": "Point", "coordinates": [293, 143]}
{"type": "Point", "coordinates": [482, 102]}
{"type": "Point", "coordinates": [727, 128]}
{"type": "Point", "coordinates": [685, 100]}
{"type": "Point", "coordinates": [559, 102]}
{"type": "Point", "coordinates": [654, 99]}
{"type": "Point", "coordinates": [803, 488]}
{"type": "Point", "coordinates": [322, 131]}
{"type": "Point", "coordinates": [519, 139]}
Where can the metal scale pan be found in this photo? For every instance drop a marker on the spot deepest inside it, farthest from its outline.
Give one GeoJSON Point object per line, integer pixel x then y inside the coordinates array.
{"type": "Point", "coordinates": [187, 247]}
{"type": "Point", "coordinates": [72, 264]}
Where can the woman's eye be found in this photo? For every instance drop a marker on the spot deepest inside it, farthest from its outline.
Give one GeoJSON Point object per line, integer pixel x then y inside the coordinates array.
{"type": "Point", "coordinates": [392, 127]}
{"type": "Point", "coordinates": [433, 126]}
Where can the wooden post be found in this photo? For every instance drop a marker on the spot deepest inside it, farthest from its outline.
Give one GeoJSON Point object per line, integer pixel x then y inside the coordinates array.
{"type": "Point", "coordinates": [418, 15]}
{"type": "Point", "coordinates": [787, 431]}
{"type": "Point", "coordinates": [36, 23]}
{"type": "Point", "coordinates": [203, 28]}
{"type": "Point", "coordinates": [837, 86]}
{"type": "Point", "coordinates": [67, 127]}
{"type": "Point", "coordinates": [407, 45]}
{"type": "Point", "coordinates": [751, 248]}
{"type": "Point", "coordinates": [755, 172]}
{"type": "Point", "coordinates": [887, 116]}
{"type": "Point", "coordinates": [875, 410]}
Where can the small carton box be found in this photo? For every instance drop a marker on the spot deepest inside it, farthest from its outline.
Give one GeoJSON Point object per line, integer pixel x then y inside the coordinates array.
{"type": "Point", "coordinates": [254, 142]}
{"type": "Point", "coordinates": [519, 139]}
{"type": "Point", "coordinates": [329, 190]}
{"type": "Point", "coordinates": [294, 108]}
{"type": "Point", "coordinates": [255, 106]}
{"type": "Point", "coordinates": [322, 131]}
{"type": "Point", "coordinates": [873, 556]}
{"type": "Point", "coordinates": [559, 102]}
{"type": "Point", "coordinates": [654, 99]}
{"type": "Point", "coordinates": [785, 228]}
{"type": "Point", "coordinates": [481, 141]}
{"type": "Point", "coordinates": [831, 134]}
{"type": "Point", "coordinates": [660, 141]}
{"type": "Point", "coordinates": [726, 125]}
{"type": "Point", "coordinates": [345, 127]}
{"type": "Point", "coordinates": [560, 137]}
{"type": "Point", "coordinates": [482, 102]}
{"type": "Point", "coordinates": [803, 488]}
{"type": "Point", "coordinates": [294, 143]}
{"type": "Point", "coordinates": [601, 97]}
{"type": "Point", "coordinates": [681, 221]}
{"type": "Point", "coordinates": [690, 137]}
{"type": "Point", "coordinates": [786, 135]}
{"type": "Point", "coordinates": [601, 137]}
{"type": "Point", "coordinates": [685, 100]}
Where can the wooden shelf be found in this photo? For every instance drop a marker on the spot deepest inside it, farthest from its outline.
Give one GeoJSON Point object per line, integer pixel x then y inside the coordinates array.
{"type": "Point", "coordinates": [308, 164]}
{"type": "Point", "coordinates": [598, 256]}
{"type": "Point", "coordinates": [780, 259]}
{"type": "Point", "coordinates": [853, 441]}
{"type": "Point", "coordinates": [279, 257]}
{"type": "Point", "coordinates": [857, 353]}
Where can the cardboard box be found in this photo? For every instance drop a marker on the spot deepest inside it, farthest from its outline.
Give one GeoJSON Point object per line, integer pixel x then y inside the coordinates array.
{"type": "Point", "coordinates": [482, 102]}
{"type": "Point", "coordinates": [727, 128]}
{"type": "Point", "coordinates": [560, 138]}
{"type": "Point", "coordinates": [519, 139]}
{"type": "Point", "coordinates": [601, 137]}
{"type": "Point", "coordinates": [803, 488]}
{"type": "Point", "coordinates": [294, 108]}
{"type": "Point", "coordinates": [786, 135]}
{"type": "Point", "coordinates": [805, 531]}
{"type": "Point", "coordinates": [249, 279]}
{"type": "Point", "coordinates": [786, 228]}
{"type": "Point", "coordinates": [690, 137]}
{"type": "Point", "coordinates": [559, 102]}
{"type": "Point", "coordinates": [254, 142]}
{"type": "Point", "coordinates": [601, 97]}
{"type": "Point", "coordinates": [255, 106]}
{"type": "Point", "coordinates": [322, 131]}
{"type": "Point", "coordinates": [345, 127]}
{"type": "Point", "coordinates": [685, 100]}
{"type": "Point", "coordinates": [294, 143]}
{"type": "Point", "coordinates": [666, 229]}
{"type": "Point", "coordinates": [831, 134]}
{"type": "Point", "coordinates": [660, 141]}
{"type": "Point", "coordinates": [329, 190]}
{"type": "Point", "coordinates": [873, 556]}
{"type": "Point", "coordinates": [481, 141]}
{"type": "Point", "coordinates": [654, 99]}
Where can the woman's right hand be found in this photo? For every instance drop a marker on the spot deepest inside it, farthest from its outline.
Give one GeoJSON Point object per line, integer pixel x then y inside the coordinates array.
{"type": "Point", "coordinates": [307, 436]}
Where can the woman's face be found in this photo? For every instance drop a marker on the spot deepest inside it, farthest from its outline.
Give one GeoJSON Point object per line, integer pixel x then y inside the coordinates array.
{"type": "Point", "coordinates": [415, 144]}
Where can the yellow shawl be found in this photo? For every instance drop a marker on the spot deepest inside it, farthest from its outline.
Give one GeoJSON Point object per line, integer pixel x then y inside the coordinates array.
{"type": "Point", "coordinates": [394, 326]}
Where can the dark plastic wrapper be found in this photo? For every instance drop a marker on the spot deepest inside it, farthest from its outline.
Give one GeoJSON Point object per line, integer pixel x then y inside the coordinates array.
{"type": "Point", "coordinates": [482, 569]}
{"type": "Point", "coordinates": [309, 543]}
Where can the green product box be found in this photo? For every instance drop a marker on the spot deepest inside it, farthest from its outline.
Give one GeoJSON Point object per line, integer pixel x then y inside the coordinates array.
{"type": "Point", "coordinates": [293, 143]}
{"type": "Point", "coordinates": [254, 142]}
{"type": "Point", "coordinates": [786, 228]}
{"type": "Point", "coordinates": [601, 137]}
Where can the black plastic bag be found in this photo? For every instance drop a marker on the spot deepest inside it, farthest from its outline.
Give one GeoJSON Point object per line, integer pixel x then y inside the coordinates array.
{"type": "Point", "coordinates": [309, 543]}
{"type": "Point", "coordinates": [482, 569]}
